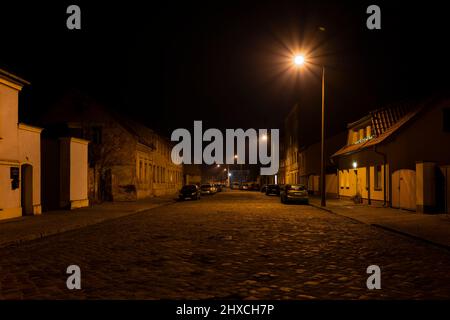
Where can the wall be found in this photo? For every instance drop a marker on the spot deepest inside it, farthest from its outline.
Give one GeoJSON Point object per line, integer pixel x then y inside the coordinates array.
{"type": "Point", "coordinates": [79, 173]}
{"type": "Point", "coordinates": [351, 183]}
{"type": "Point", "coordinates": [168, 177]}
{"type": "Point", "coordinates": [9, 153]}
{"type": "Point", "coordinates": [30, 153]}
{"type": "Point", "coordinates": [313, 184]}
{"type": "Point", "coordinates": [422, 139]}
{"type": "Point", "coordinates": [73, 173]}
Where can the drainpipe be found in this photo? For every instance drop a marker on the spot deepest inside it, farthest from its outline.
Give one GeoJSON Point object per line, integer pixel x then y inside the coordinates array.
{"type": "Point", "coordinates": [369, 201]}
{"type": "Point", "coordinates": [384, 173]}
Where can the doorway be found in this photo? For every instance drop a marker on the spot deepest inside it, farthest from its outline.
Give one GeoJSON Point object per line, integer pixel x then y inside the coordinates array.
{"type": "Point", "coordinates": [404, 189]}
{"type": "Point", "coordinates": [26, 185]}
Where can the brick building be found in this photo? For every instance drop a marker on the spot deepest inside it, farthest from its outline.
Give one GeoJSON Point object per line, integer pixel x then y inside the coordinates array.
{"type": "Point", "coordinates": [127, 161]}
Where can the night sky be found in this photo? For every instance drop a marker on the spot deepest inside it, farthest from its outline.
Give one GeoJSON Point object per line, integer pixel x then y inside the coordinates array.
{"type": "Point", "coordinates": [224, 62]}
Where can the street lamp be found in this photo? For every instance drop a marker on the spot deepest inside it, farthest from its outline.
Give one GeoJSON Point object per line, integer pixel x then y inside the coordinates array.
{"type": "Point", "coordinates": [300, 60]}
{"type": "Point", "coordinates": [240, 174]}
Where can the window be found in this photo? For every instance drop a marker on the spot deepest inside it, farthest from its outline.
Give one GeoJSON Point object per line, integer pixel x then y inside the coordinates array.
{"type": "Point", "coordinates": [368, 131]}
{"type": "Point", "coordinates": [140, 170]}
{"type": "Point", "coordinates": [361, 134]}
{"type": "Point", "coordinates": [355, 136]}
{"type": "Point", "coordinates": [378, 178]}
{"type": "Point", "coordinates": [145, 172]}
{"type": "Point", "coordinates": [446, 119]}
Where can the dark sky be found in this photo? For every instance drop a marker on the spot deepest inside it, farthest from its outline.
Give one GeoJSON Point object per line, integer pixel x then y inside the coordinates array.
{"type": "Point", "coordinates": [224, 62]}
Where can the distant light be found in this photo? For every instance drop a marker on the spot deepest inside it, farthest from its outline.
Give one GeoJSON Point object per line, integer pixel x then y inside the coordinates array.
{"type": "Point", "coordinates": [218, 166]}
{"type": "Point", "coordinates": [299, 60]}
{"type": "Point", "coordinates": [229, 174]}
{"type": "Point", "coordinates": [264, 137]}
{"type": "Point", "coordinates": [225, 169]}
{"type": "Point", "coordinates": [355, 165]}
{"type": "Point", "coordinates": [235, 156]}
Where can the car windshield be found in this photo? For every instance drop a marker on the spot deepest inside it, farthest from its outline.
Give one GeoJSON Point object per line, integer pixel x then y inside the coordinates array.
{"type": "Point", "coordinates": [297, 187]}
{"type": "Point", "coordinates": [206, 186]}
{"type": "Point", "coordinates": [189, 188]}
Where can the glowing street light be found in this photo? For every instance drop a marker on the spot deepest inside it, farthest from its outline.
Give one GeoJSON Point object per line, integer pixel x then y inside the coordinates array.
{"type": "Point", "coordinates": [299, 60]}
{"type": "Point", "coordinates": [264, 137]}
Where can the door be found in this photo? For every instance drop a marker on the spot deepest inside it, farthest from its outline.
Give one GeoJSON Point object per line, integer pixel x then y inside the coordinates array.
{"type": "Point", "coordinates": [26, 185]}
{"type": "Point", "coordinates": [404, 189]}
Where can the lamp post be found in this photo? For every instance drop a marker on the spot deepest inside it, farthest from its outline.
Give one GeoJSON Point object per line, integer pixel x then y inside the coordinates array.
{"type": "Point", "coordinates": [299, 60]}
{"type": "Point", "coordinates": [240, 174]}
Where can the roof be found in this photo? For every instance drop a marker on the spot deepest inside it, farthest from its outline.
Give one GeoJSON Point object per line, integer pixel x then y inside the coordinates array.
{"type": "Point", "coordinates": [385, 122]}
{"type": "Point", "coordinates": [13, 80]}
{"type": "Point", "coordinates": [78, 107]}
{"type": "Point", "coordinates": [142, 133]}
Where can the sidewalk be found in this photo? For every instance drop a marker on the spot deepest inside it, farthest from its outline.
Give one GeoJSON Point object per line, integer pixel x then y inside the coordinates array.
{"type": "Point", "coordinates": [433, 228]}
{"type": "Point", "coordinates": [14, 231]}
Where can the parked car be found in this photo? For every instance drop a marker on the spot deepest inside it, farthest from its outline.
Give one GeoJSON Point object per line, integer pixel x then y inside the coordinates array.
{"type": "Point", "coordinates": [245, 186]}
{"type": "Point", "coordinates": [207, 189]}
{"type": "Point", "coordinates": [264, 188]}
{"type": "Point", "coordinates": [235, 185]}
{"type": "Point", "coordinates": [218, 187]}
{"type": "Point", "coordinates": [254, 187]}
{"type": "Point", "coordinates": [273, 189]}
{"type": "Point", "coordinates": [190, 191]}
{"type": "Point", "coordinates": [294, 193]}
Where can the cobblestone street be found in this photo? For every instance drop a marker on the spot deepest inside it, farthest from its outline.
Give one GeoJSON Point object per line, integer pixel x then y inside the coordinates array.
{"type": "Point", "coordinates": [233, 245]}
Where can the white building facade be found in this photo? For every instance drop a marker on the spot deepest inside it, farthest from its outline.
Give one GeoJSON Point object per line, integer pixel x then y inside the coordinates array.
{"type": "Point", "coordinates": [20, 154]}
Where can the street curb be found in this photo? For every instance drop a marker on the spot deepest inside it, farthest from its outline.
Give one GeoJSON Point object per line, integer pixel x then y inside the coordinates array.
{"type": "Point", "coordinates": [337, 214]}
{"type": "Point", "coordinates": [38, 236]}
{"type": "Point", "coordinates": [409, 235]}
{"type": "Point", "coordinates": [405, 234]}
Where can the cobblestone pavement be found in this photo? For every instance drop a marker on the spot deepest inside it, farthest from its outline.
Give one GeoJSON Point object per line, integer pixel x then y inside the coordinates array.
{"type": "Point", "coordinates": [233, 245]}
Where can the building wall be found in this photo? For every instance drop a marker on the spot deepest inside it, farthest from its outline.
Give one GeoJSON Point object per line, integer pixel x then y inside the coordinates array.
{"type": "Point", "coordinates": [9, 152]}
{"type": "Point", "coordinates": [79, 173]}
{"type": "Point", "coordinates": [351, 183]}
{"type": "Point", "coordinates": [9, 109]}
{"type": "Point", "coordinates": [19, 146]}
{"type": "Point", "coordinates": [156, 174]}
{"type": "Point", "coordinates": [30, 154]}
{"type": "Point", "coordinates": [73, 173]}
{"type": "Point", "coordinates": [422, 139]}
